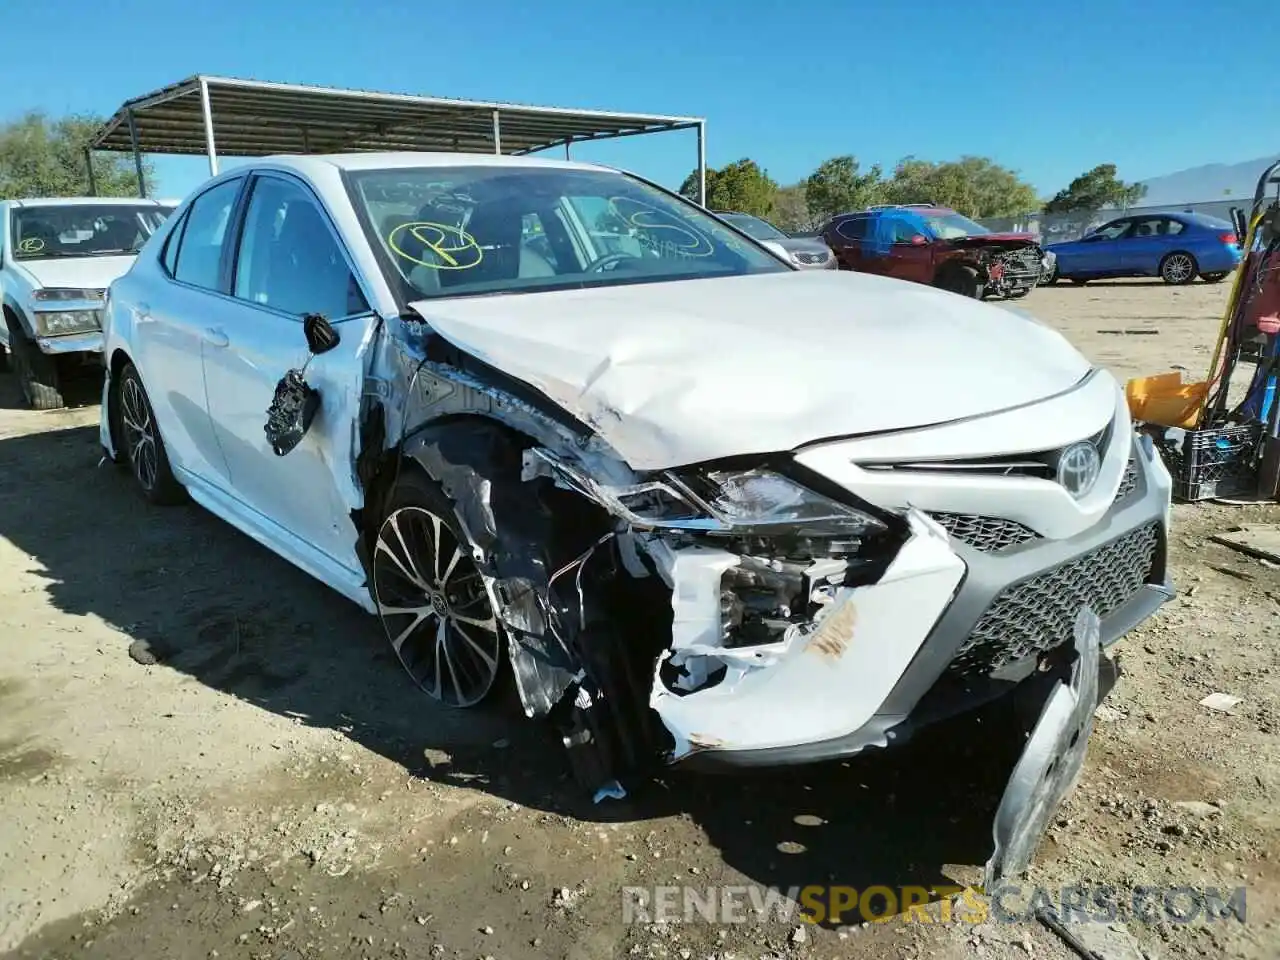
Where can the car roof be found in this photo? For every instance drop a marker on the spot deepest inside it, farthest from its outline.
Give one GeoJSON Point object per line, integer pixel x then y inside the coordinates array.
{"type": "Point", "coordinates": [405, 160]}
{"type": "Point", "coordinates": [80, 201]}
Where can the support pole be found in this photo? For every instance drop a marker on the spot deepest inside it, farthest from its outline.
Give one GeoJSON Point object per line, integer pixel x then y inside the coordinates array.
{"type": "Point", "coordinates": [306, 141]}
{"type": "Point", "coordinates": [566, 150]}
{"type": "Point", "coordinates": [702, 163]}
{"type": "Point", "coordinates": [88, 165]}
{"type": "Point", "coordinates": [497, 133]}
{"type": "Point", "coordinates": [207, 110]}
{"type": "Point", "coordinates": [137, 155]}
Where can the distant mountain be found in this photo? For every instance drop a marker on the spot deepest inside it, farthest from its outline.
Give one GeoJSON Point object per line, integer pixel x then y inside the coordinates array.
{"type": "Point", "coordinates": [1214, 181]}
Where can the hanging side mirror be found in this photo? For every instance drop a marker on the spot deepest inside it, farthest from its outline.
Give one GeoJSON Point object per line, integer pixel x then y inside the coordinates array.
{"type": "Point", "coordinates": [320, 333]}
{"type": "Point", "coordinates": [295, 402]}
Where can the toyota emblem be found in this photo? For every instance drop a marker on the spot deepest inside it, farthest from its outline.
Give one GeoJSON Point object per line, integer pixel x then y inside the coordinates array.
{"type": "Point", "coordinates": [1078, 468]}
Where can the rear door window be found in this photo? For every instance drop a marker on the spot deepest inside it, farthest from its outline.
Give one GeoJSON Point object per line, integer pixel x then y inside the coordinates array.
{"type": "Point", "coordinates": [855, 228]}
{"type": "Point", "coordinates": [200, 252]}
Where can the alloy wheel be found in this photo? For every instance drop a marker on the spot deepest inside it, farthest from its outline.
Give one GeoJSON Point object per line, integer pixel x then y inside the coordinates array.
{"type": "Point", "coordinates": [139, 433]}
{"type": "Point", "coordinates": [435, 607]}
{"type": "Point", "coordinates": [1178, 268]}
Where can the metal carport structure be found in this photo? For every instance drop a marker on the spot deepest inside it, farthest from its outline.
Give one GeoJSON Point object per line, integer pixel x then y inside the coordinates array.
{"type": "Point", "coordinates": [254, 118]}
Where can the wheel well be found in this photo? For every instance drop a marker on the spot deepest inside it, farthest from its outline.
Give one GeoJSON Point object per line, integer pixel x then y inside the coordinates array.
{"type": "Point", "coordinates": [381, 471]}
{"type": "Point", "coordinates": [118, 360]}
{"type": "Point", "coordinates": [12, 318]}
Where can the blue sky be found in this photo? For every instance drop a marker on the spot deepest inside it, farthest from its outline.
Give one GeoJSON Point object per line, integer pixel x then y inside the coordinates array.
{"type": "Point", "coordinates": [1047, 89]}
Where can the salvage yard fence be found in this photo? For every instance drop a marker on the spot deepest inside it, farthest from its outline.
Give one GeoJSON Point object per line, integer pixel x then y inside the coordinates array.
{"type": "Point", "coordinates": [1060, 227]}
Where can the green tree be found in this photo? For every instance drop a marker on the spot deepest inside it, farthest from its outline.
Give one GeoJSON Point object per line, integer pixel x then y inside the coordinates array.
{"type": "Point", "coordinates": [975, 186]}
{"type": "Point", "coordinates": [791, 210]}
{"type": "Point", "coordinates": [43, 157]}
{"type": "Point", "coordinates": [743, 186]}
{"type": "Point", "coordinates": [838, 186]}
{"type": "Point", "coordinates": [1095, 189]}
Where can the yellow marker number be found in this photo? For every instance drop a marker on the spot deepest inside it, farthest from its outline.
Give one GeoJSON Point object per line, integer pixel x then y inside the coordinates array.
{"type": "Point", "coordinates": [456, 249]}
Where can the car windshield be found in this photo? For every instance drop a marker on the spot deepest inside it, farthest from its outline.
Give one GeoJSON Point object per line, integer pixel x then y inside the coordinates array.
{"type": "Point", "coordinates": [754, 226]}
{"type": "Point", "coordinates": [470, 230]}
{"type": "Point", "coordinates": [81, 230]}
{"type": "Point", "coordinates": [950, 226]}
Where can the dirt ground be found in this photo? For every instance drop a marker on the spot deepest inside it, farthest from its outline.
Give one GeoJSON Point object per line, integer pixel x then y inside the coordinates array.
{"type": "Point", "coordinates": [274, 787]}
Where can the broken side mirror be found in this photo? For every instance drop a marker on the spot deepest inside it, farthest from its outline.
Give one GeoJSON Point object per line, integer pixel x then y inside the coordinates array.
{"type": "Point", "coordinates": [295, 402]}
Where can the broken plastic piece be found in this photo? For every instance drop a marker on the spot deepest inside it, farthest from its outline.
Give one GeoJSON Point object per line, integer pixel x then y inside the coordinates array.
{"type": "Point", "coordinates": [1222, 702]}
{"type": "Point", "coordinates": [610, 791]}
{"type": "Point", "coordinates": [1051, 761]}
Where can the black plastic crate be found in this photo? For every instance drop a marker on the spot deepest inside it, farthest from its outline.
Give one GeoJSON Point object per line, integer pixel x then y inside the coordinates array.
{"type": "Point", "coordinates": [1212, 462]}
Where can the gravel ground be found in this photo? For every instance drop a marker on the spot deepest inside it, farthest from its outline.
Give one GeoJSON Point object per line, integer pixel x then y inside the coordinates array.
{"type": "Point", "coordinates": [273, 787]}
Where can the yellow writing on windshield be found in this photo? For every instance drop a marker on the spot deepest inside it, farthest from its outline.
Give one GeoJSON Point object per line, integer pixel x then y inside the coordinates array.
{"type": "Point", "coordinates": [662, 229]}
{"type": "Point", "coordinates": [455, 248]}
{"type": "Point", "coordinates": [30, 245]}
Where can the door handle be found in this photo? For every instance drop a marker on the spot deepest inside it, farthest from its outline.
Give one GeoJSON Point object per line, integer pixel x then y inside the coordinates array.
{"type": "Point", "coordinates": [216, 337]}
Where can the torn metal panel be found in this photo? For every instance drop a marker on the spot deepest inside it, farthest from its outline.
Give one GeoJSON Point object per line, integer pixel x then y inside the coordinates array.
{"type": "Point", "coordinates": [507, 529]}
{"type": "Point", "coordinates": [1051, 760]}
{"type": "Point", "coordinates": [818, 680]}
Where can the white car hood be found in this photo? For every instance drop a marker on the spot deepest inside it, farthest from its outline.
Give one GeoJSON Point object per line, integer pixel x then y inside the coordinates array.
{"type": "Point", "coordinates": [92, 273]}
{"type": "Point", "coordinates": [689, 371]}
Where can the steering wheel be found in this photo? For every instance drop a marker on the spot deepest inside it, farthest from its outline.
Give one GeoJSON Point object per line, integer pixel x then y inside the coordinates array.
{"type": "Point", "coordinates": [608, 262]}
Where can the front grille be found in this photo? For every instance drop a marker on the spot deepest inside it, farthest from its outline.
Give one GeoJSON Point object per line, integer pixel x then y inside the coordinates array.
{"type": "Point", "coordinates": [1038, 614]}
{"type": "Point", "coordinates": [1129, 481]}
{"type": "Point", "coordinates": [816, 257]}
{"type": "Point", "coordinates": [1023, 263]}
{"type": "Point", "coordinates": [988, 534]}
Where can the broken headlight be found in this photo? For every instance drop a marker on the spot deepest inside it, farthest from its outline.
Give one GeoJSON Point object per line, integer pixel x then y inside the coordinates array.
{"type": "Point", "coordinates": [745, 501]}
{"type": "Point", "coordinates": [763, 498]}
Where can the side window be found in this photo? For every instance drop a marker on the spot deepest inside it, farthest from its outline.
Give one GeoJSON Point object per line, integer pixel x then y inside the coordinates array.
{"type": "Point", "coordinates": [1113, 230]}
{"type": "Point", "coordinates": [200, 250]}
{"type": "Point", "coordinates": [170, 258]}
{"type": "Point", "coordinates": [902, 229]}
{"type": "Point", "coordinates": [855, 228]}
{"type": "Point", "coordinates": [289, 259]}
{"type": "Point", "coordinates": [1171, 228]}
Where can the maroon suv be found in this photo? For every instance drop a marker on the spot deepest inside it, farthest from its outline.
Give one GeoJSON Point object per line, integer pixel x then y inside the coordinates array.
{"type": "Point", "coordinates": [937, 246]}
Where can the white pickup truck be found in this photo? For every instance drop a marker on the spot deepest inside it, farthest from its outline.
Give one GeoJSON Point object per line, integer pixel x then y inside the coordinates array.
{"type": "Point", "coordinates": [57, 258]}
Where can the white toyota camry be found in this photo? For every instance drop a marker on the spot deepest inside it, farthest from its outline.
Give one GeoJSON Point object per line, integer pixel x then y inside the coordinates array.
{"type": "Point", "coordinates": [550, 422]}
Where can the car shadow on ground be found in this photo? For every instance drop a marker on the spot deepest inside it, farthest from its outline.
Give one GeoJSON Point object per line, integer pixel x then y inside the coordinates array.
{"type": "Point", "coordinates": [1067, 284]}
{"type": "Point", "coordinates": [216, 606]}
{"type": "Point", "coordinates": [81, 387]}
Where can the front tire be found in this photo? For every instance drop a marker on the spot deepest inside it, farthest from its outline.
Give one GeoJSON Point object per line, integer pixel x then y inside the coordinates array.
{"type": "Point", "coordinates": [36, 372]}
{"type": "Point", "coordinates": [963, 280]}
{"type": "Point", "coordinates": [1020, 293]}
{"type": "Point", "coordinates": [1178, 268]}
{"type": "Point", "coordinates": [143, 449]}
{"type": "Point", "coordinates": [431, 596]}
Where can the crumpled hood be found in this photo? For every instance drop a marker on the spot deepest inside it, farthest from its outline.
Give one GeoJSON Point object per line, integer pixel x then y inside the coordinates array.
{"type": "Point", "coordinates": [94, 273]}
{"type": "Point", "coordinates": [689, 371]}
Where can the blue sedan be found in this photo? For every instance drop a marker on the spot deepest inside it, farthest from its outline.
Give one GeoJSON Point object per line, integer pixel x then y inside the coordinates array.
{"type": "Point", "coordinates": [1177, 247]}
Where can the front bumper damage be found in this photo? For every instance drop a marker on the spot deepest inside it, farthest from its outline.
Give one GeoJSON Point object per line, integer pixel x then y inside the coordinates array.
{"type": "Point", "coordinates": [648, 646]}
{"type": "Point", "coordinates": [949, 621]}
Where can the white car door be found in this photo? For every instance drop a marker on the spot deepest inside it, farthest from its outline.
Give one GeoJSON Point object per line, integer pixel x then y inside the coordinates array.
{"type": "Point", "coordinates": [290, 262]}
{"type": "Point", "coordinates": [172, 314]}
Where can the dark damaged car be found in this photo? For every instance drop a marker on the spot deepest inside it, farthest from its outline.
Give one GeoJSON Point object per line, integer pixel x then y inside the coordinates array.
{"type": "Point", "coordinates": [703, 507]}
{"type": "Point", "coordinates": [939, 247]}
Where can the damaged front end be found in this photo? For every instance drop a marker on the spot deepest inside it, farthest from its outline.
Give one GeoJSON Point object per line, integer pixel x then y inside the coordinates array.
{"type": "Point", "coordinates": [792, 613]}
